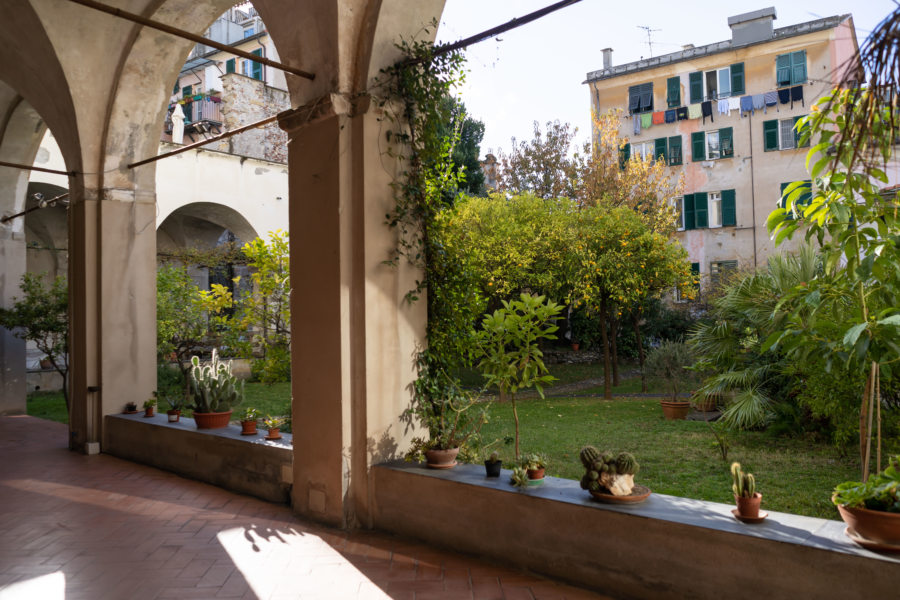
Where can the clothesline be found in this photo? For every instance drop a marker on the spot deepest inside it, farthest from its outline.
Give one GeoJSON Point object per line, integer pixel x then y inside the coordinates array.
{"type": "Point", "coordinates": [701, 110]}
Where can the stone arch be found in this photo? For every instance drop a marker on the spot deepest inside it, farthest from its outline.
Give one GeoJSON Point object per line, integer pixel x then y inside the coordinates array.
{"type": "Point", "coordinates": [200, 224]}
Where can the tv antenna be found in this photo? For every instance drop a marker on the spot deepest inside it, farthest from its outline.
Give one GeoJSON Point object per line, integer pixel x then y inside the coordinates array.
{"type": "Point", "coordinates": [649, 40]}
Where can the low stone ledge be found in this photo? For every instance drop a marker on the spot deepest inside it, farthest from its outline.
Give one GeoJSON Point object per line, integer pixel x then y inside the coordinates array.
{"type": "Point", "coordinates": [247, 464]}
{"type": "Point", "coordinates": [664, 547]}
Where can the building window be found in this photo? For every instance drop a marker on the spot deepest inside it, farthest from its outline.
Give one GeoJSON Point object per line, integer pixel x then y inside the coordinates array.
{"type": "Point", "coordinates": [642, 150]}
{"type": "Point", "coordinates": [711, 145]}
{"type": "Point", "coordinates": [229, 65]}
{"type": "Point", "coordinates": [248, 32]}
{"type": "Point", "coordinates": [790, 69]}
{"type": "Point", "coordinates": [695, 275]}
{"type": "Point", "coordinates": [718, 271]}
{"type": "Point", "coordinates": [678, 205]}
{"type": "Point", "coordinates": [718, 83]}
{"type": "Point", "coordinates": [715, 84]}
{"type": "Point", "coordinates": [673, 92]}
{"type": "Point", "coordinates": [640, 98]}
{"type": "Point", "coordinates": [715, 209]}
{"type": "Point", "coordinates": [186, 91]}
{"type": "Point", "coordinates": [674, 153]}
{"type": "Point", "coordinates": [702, 210]}
{"type": "Point", "coordinates": [782, 134]}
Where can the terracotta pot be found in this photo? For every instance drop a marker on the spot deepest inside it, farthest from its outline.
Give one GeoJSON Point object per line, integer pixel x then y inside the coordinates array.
{"type": "Point", "coordinates": [248, 427]}
{"type": "Point", "coordinates": [441, 459]}
{"type": "Point", "coordinates": [174, 415]}
{"type": "Point", "coordinates": [674, 411]}
{"type": "Point", "coordinates": [535, 473]}
{"type": "Point", "coordinates": [707, 403]}
{"type": "Point", "coordinates": [274, 433]}
{"type": "Point", "coordinates": [576, 346]}
{"type": "Point", "coordinates": [873, 525]}
{"type": "Point", "coordinates": [130, 409]}
{"type": "Point", "coordinates": [46, 364]}
{"type": "Point", "coordinates": [748, 507]}
{"type": "Point", "coordinates": [212, 420]}
{"type": "Point", "coordinates": [493, 468]}
{"type": "Point", "coordinates": [148, 412]}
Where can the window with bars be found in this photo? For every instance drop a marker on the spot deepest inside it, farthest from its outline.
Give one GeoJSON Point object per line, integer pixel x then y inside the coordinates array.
{"type": "Point", "coordinates": [783, 134]}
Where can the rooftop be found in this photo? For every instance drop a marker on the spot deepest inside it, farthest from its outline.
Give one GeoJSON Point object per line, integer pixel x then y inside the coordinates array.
{"type": "Point", "coordinates": [714, 48]}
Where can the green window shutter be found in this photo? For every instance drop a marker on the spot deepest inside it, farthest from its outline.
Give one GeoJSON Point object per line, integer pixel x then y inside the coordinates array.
{"type": "Point", "coordinates": [701, 210]}
{"type": "Point", "coordinates": [729, 210]}
{"type": "Point", "coordinates": [229, 65]}
{"type": "Point", "coordinates": [783, 70]}
{"type": "Point", "coordinates": [675, 150]}
{"type": "Point", "coordinates": [698, 146]}
{"type": "Point", "coordinates": [737, 79]}
{"type": "Point", "coordinates": [726, 141]}
{"type": "Point", "coordinates": [798, 67]}
{"type": "Point", "coordinates": [770, 135]}
{"type": "Point", "coordinates": [673, 91]}
{"type": "Point", "coordinates": [186, 91]}
{"type": "Point", "coordinates": [660, 149]}
{"type": "Point", "coordinates": [624, 155]}
{"type": "Point", "coordinates": [257, 67]}
{"type": "Point", "coordinates": [696, 84]}
{"type": "Point", "coordinates": [688, 212]}
{"type": "Point", "coordinates": [799, 132]}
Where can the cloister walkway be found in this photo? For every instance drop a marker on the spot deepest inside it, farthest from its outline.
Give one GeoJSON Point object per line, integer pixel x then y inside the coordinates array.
{"type": "Point", "coordinates": [76, 527]}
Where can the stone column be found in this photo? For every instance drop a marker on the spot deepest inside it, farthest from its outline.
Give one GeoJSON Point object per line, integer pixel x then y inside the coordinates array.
{"type": "Point", "coordinates": [353, 337]}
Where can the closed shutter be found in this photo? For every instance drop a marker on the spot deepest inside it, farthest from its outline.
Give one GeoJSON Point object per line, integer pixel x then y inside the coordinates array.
{"type": "Point", "coordinates": [726, 141]}
{"type": "Point", "coordinates": [729, 210]}
{"type": "Point", "coordinates": [737, 79]}
{"type": "Point", "coordinates": [696, 84]}
{"type": "Point", "coordinates": [799, 132]}
{"type": "Point", "coordinates": [675, 150]}
{"type": "Point", "coordinates": [673, 91]}
{"type": "Point", "coordinates": [634, 99]}
{"type": "Point", "coordinates": [689, 220]}
{"type": "Point", "coordinates": [186, 91]}
{"type": "Point", "coordinates": [698, 146]}
{"type": "Point", "coordinates": [624, 155]}
{"type": "Point", "coordinates": [783, 70]}
{"type": "Point", "coordinates": [660, 149]}
{"type": "Point", "coordinates": [770, 135]}
{"type": "Point", "coordinates": [701, 210]}
{"type": "Point", "coordinates": [647, 97]}
{"type": "Point", "coordinates": [798, 67]}
{"type": "Point", "coordinates": [229, 65]}
{"type": "Point", "coordinates": [257, 67]}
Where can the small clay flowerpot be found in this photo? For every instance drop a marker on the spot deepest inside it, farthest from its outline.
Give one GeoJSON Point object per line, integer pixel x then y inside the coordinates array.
{"type": "Point", "coordinates": [493, 468]}
{"type": "Point", "coordinates": [576, 346]}
{"type": "Point", "coordinates": [441, 459]}
{"type": "Point", "coordinates": [148, 412]}
{"type": "Point", "coordinates": [274, 433]}
{"type": "Point", "coordinates": [248, 427]}
{"type": "Point", "coordinates": [748, 507]}
{"type": "Point", "coordinates": [674, 411]}
{"type": "Point", "coordinates": [535, 473]}
{"type": "Point", "coordinates": [174, 415]}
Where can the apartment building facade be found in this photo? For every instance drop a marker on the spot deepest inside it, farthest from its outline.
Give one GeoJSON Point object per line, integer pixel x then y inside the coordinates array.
{"type": "Point", "coordinates": [726, 116]}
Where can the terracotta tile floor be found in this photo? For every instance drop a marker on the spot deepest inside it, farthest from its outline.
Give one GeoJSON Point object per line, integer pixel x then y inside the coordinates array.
{"type": "Point", "coordinates": [74, 526]}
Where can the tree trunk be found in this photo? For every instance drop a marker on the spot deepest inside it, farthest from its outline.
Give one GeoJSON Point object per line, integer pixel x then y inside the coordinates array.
{"type": "Point", "coordinates": [864, 428]}
{"type": "Point", "coordinates": [636, 322]}
{"type": "Point", "coordinates": [614, 347]}
{"type": "Point", "coordinates": [604, 342]}
{"type": "Point", "coordinates": [516, 418]}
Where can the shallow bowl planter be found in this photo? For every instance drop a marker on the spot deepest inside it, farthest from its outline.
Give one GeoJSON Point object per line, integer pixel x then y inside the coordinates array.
{"type": "Point", "coordinates": [748, 507]}
{"type": "Point", "coordinates": [674, 411]}
{"type": "Point", "coordinates": [638, 494]}
{"type": "Point", "coordinates": [873, 525]}
{"type": "Point", "coordinates": [212, 420]}
{"type": "Point", "coordinates": [493, 468]}
{"type": "Point", "coordinates": [441, 459]}
{"type": "Point", "coordinates": [174, 415]}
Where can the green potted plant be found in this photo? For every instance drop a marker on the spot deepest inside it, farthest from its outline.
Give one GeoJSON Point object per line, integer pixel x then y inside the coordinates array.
{"type": "Point", "coordinates": [745, 495]}
{"type": "Point", "coordinates": [871, 509]}
{"type": "Point", "coordinates": [130, 408]}
{"type": "Point", "coordinates": [669, 361]}
{"type": "Point", "coordinates": [493, 465]}
{"type": "Point", "coordinates": [214, 390]}
{"type": "Point", "coordinates": [509, 348]}
{"type": "Point", "coordinates": [249, 421]}
{"type": "Point", "coordinates": [176, 405]}
{"type": "Point", "coordinates": [534, 465]}
{"type": "Point", "coordinates": [610, 477]}
{"type": "Point", "coordinates": [519, 478]}
{"type": "Point", "coordinates": [273, 424]}
{"type": "Point", "coordinates": [149, 407]}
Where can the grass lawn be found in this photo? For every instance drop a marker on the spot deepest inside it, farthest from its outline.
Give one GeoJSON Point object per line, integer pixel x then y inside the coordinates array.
{"type": "Point", "coordinates": [565, 373]}
{"type": "Point", "coordinates": [677, 457]}
{"type": "Point", "coordinates": [47, 405]}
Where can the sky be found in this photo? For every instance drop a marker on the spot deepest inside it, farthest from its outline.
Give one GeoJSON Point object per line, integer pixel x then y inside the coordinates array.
{"type": "Point", "coordinates": [536, 72]}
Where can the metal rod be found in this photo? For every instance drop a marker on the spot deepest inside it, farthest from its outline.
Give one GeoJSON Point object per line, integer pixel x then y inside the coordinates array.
{"type": "Point", "coordinates": [478, 37]}
{"type": "Point", "coordinates": [33, 168]}
{"type": "Point", "coordinates": [51, 202]}
{"type": "Point", "coordinates": [116, 12]}
{"type": "Point", "coordinates": [222, 136]}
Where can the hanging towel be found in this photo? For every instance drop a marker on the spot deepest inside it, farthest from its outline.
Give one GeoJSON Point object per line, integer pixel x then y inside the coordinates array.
{"type": "Point", "coordinates": [659, 117]}
{"type": "Point", "coordinates": [637, 124]}
{"type": "Point", "coordinates": [723, 106]}
{"type": "Point", "coordinates": [681, 113]}
{"type": "Point", "coordinates": [646, 119]}
{"type": "Point", "coordinates": [746, 104]}
{"type": "Point", "coordinates": [759, 102]}
{"type": "Point", "coordinates": [706, 109]}
{"type": "Point", "coordinates": [734, 103]}
{"type": "Point", "coordinates": [771, 99]}
{"type": "Point", "coordinates": [694, 111]}
{"type": "Point", "coordinates": [670, 116]}
{"type": "Point", "coordinates": [797, 94]}
{"type": "Point", "coordinates": [784, 96]}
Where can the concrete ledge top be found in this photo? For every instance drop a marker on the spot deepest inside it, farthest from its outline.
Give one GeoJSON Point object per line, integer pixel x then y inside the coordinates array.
{"type": "Point", "coordinates": [231, 432]}
{"type": "Point", "coordinates": [787, 528]}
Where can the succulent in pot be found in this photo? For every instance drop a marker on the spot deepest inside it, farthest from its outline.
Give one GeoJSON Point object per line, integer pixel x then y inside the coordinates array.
{"type": "Point", "coordinates": [745, 495]}
{"type": "Point", "coordinates": [534, 465]}
{"type": "Point", "coordinates": [608, 473]}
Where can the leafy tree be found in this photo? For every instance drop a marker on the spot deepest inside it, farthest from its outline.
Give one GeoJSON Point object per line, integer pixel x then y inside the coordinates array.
{"type": "Point", "coordinates": [467, 133]}
{"type": "Point", "coordinates": [542, 166]}
{"type": "Point", "coordinates": [41, 317]}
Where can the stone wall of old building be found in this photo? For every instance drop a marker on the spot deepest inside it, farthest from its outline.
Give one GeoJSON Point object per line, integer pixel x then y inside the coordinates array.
{"type": "Point", "coordinates": [245, 100]}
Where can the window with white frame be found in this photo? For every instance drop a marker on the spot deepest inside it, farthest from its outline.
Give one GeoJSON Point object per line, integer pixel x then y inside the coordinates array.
{"type": "Point", "coordinates": [718, 83]}
{"type": "Point", "coordinates": [712, 145]}
{"type": "Point", "coordinates": [644, 150]}
{"type": "Point", "coordinates": [715, 209]}
{"type": "Point", "coordinates": [678, 205]}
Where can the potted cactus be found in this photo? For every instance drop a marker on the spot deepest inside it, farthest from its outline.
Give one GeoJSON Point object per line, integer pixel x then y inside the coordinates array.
{"type": "Point", "coordinates": [745, 495]}
{"type": "Point", "coordinates": [149, 407]}
{"type": "Point", "coordinates": [214, 389]}
{"type": "Point", "coordinates": [493, 465]}
{"type": "Point", "coordinates": [610, 477]}
{"type": "Point", "coordinates": [248, 421]}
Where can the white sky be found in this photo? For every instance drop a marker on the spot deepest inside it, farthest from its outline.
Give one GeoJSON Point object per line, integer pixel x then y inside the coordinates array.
{"type": "Point", "coordinates": [536, 72]}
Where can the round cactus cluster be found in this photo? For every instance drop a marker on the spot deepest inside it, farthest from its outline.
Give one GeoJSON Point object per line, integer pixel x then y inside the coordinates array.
{"type": "Point", "coordinates": [605, 471]}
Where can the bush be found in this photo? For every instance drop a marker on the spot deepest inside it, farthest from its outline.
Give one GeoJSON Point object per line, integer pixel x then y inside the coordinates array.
{"type": "Point", "coordinates": [669, 361]}
{"type": "Point", "coordinates": [275, 367]}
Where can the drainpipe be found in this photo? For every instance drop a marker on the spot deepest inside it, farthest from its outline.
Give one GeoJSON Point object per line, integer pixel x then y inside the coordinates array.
{"type": "Point", "coordinates": [752, 189]}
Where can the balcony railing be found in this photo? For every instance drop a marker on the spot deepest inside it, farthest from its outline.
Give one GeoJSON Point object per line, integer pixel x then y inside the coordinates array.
{"type": "Point", "coordinates": [205, 114]}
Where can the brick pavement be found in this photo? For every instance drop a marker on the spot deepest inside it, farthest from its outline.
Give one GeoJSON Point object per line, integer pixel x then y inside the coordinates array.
{"type": "Point", "coordinates": [89, 527]}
